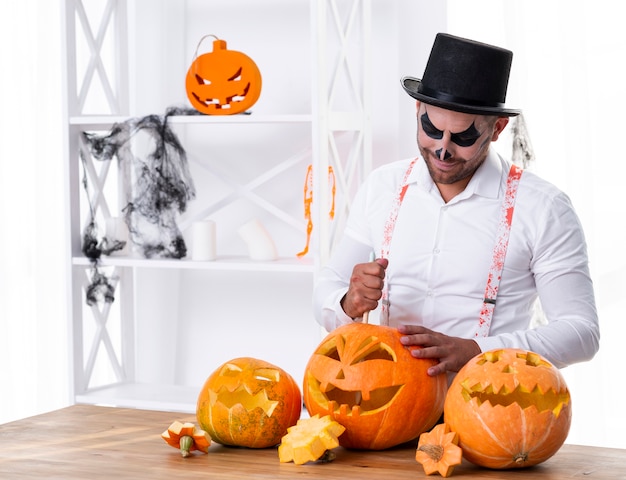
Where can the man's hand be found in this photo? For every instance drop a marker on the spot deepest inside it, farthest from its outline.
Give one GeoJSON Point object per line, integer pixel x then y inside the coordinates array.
{"type": "Point", "coordinates": [452, 352]}
{"type": "Point", "coordinates": [366, 288]}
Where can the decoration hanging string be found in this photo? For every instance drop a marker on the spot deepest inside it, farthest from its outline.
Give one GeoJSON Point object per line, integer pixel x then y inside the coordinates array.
{"type": "Point", "coordinates": [195, 55]}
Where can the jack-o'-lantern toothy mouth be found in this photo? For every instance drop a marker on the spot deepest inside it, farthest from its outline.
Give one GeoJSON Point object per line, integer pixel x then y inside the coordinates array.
{"type": "Point", "coordinates": [350, 402]}
{"type": "Point", "coordinates": [243, 397]}
{"type": "Point", "coordinates": [219, 103]}
{"type": "Point", "coordinates": [524, 398]}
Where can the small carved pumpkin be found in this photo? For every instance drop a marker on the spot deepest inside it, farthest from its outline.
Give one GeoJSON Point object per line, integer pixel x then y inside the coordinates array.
{"type": "Point", "coordinates": [365, 379]}
{"type": "Point", "coordinates": [511, 408]}
{"type": "Point", "coordinates": [223, 82]}
{"type": "Point", "coordinates": [248, 403]}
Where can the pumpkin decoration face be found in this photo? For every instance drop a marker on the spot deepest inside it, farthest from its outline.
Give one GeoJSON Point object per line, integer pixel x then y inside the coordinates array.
{"type": "Point", "coordinates": [248, 403]}
{"type": "Point", "coordinates": [366, 380]}
{"type": "Point", "coordinates": [223, 82]}
{"type": "Point", "coordinates": [511, 408]}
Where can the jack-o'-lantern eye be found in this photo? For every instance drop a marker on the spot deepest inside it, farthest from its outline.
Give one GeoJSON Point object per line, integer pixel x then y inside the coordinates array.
{"type": "Point", "coordinates": [267, 375]}
{"type": "Point", "coordinates": [369, 349]}
{"type": "Point", "coordinates": [230, 370]}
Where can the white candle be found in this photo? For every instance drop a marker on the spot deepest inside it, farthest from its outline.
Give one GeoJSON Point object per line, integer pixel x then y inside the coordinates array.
{"type": "Point", "coordinates": [204, 241]}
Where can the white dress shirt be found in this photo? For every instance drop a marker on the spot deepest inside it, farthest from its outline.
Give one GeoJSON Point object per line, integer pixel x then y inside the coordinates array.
{"type": "Point", "coordinates": [440, 256]}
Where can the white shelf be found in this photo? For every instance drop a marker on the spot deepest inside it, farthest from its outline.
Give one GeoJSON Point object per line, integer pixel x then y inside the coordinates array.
{"type": "Point", "coordinates": [223, 263]}
{"type": "Point", "coordinates": [144, 396]}
{"type": "Point", "coordinates": [105, 121]}
{"type": "Point", "coordinates": [169, 398]}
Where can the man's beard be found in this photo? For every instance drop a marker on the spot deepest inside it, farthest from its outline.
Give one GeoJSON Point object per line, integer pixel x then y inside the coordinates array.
{"type": "Point", "coordinates": [466, 170]}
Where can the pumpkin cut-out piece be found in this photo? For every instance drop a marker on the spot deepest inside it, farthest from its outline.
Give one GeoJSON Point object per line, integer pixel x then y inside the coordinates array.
{"type": "Point", "coordinates": [438, 451]}
{"type": "Point", "coordinates": [365, 379]}
{"type": "Point", "coordinates": [223, 82]}
{"type": "Point", "coordinates": [310, 440]}
{"type": "Point", "coordinates": [248, 403]}
{"type": "Point", "coordinates": [511, 408]}
{"type": "Point", "coordinates": [186, 437]}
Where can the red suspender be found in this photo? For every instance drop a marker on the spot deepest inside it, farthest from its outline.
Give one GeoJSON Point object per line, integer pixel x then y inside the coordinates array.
{"type": "Point", "coordinates": [499, 252]}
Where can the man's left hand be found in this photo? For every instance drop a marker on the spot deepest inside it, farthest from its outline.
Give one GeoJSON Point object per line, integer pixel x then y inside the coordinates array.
{"type": "Point", "coordinates": [452, 352]}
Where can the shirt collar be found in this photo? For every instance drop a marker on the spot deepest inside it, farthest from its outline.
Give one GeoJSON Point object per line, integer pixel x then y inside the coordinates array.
{"type": "Point", "coordinates": [485, 182]}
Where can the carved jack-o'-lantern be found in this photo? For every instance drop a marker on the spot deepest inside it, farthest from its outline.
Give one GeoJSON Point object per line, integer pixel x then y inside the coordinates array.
{"type": "Point", "coordinates": [365, 379]}
{"type": "Point", "coordinates": [511, 408]}
{"type": "Point", "coordinates": [248, 403]}
{"type": "Point", "coordinates": [223, 82]}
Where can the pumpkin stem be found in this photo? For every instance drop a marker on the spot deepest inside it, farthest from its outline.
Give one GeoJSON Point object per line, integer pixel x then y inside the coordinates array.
{"type": "Point", "coordinates": [186, 442]}
{"type": "Point", "coordinates": [435, 452]}
{"type": "Point", "coordinates": [521, 458]}
{"type": "Point", "coordinates": [327, 456]}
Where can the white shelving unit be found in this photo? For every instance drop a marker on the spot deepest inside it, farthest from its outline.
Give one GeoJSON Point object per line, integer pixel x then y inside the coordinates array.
{"type": "Point", "coordinates": [100, 45]}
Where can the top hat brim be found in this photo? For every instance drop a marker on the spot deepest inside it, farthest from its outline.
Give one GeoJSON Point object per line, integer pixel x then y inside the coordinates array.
{"type": "Point", "coordinates": [411, 86]}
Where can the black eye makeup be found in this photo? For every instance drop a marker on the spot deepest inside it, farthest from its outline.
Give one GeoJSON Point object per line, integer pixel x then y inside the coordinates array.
{"type": "Point", "coordinates": [466, 138]}
{"type": "Point", "coordinates": [429, 129]}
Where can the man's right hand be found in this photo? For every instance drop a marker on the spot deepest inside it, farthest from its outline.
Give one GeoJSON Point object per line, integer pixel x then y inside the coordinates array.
{"type": "Point", "coordinates": [366, 288]}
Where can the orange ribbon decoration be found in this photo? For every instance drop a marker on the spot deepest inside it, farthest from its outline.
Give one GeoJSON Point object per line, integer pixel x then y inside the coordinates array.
{"type": "Point", "coordinates": [308, 200]}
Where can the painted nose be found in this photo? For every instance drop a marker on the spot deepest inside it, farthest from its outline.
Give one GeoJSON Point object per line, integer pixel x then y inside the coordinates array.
{"type": "Point", "coordinates": [443, 154]}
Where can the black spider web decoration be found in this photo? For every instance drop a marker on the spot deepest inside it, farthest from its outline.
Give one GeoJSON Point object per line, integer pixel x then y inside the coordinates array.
{"type": "Point", "coordinates": [161, 188]}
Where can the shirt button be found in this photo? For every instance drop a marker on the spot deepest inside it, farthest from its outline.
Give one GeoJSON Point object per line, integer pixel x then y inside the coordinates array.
{"type": "Point", "coordinates": [436, 251]}
{"type": "Point", "coordinates": [429, 293]}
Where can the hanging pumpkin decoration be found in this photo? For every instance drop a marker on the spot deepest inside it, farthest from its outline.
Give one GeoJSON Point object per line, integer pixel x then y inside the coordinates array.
{"type": "Point", "coordinates": [366, 380]}
{"type": "Point", "coordinates": [222, 82]}
{"type": "Point", "coordinates": [248, 403]}
{"type": "Point", "coordinates": [511, 408]}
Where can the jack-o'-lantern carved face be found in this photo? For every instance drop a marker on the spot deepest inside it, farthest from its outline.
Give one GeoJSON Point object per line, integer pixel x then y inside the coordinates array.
{"type": "Point", "coordinates": [249, 403]}
{"type": "Point", "coordinates": [511, 408]}
{"type": "Point", "coordinates": [223, 82]}
{"type": "Point", "coordinates": [368, 381]}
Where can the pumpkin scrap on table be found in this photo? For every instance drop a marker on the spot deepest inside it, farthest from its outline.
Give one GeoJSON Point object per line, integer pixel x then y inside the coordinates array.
{"type": "Point", "coordinates": [187, 437]}
{"type": "Point", "coordinates": [310, 439]}
{"type": "Point", "coordinates": [438, 451]}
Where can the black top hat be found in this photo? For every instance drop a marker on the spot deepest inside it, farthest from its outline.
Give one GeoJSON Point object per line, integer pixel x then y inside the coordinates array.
{"type": "Point", "coordinates": [464, 76]}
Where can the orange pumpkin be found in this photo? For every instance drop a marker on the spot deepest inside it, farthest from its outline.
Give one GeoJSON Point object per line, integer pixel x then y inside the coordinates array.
{"type": "Point", "coordinates": [511, 408]}
{"type": "Point", "coordinates": [365, 379]}
{"type": "Point", "coordinates": [223, 82]}
{"type": "Point", "coordinates": [248, 403]}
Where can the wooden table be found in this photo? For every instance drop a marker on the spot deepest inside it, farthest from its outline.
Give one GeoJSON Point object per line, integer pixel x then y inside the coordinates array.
{"type": "Point", "coordinates": [90, 442]}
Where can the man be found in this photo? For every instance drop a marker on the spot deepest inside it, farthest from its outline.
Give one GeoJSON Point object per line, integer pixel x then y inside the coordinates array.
{"type": "Point", "coordinates": [465, 243]}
